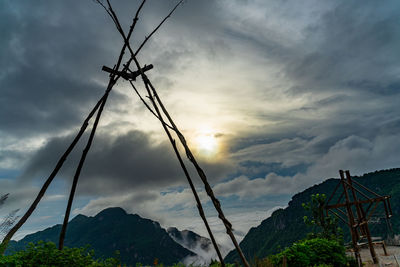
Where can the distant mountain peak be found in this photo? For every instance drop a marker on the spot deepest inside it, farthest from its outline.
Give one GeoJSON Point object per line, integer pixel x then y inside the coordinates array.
{"type": "Point", "coordinates": [79, 218]}
{"type": "Point", "coordinates": [112, 212]}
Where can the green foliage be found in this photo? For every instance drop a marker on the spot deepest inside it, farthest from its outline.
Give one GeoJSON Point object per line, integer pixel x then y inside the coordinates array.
{"type": "Point", "coordinates": [215, 263]}
{"type": "Point", "coordinates": [323, 247]}
{"type": "Point", "coordinates": [46, 254]}
{"type": "Point", "coordinates": [324, 226]}
{"type": "Point", "coordinates": [312, 252]}
{"type": "Point", "coordinates": [266, 262]}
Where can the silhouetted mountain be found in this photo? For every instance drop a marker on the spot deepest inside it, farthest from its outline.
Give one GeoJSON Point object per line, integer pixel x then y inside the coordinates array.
{"type": "Point", "coordinates": [137, 239]}
{"type": "Point", "coordinates": [286, 226]}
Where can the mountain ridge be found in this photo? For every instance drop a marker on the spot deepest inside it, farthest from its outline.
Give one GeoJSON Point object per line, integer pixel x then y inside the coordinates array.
{"type": "Point", "coordinates": [138, 239]}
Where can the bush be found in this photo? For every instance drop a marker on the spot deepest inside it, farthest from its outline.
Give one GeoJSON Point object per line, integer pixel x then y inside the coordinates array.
{"type": "Point", "coordinates": [323, 225]}
{"type": "Point", "coordinates": [313, 252]}
{"type": "Point", "coordinates": [46, 254]}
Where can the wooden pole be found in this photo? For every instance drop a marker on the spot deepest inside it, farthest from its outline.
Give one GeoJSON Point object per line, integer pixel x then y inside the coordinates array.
{"type": "Point", "coordinates": [145, 80]}
{"type": "Point", "coordinates": [48, 181]}
{"type": "Point", "coordinates": [353, 230]}
{"type": "Point", "coordinates": [115, 74]}
{"type": "Point", "coordinates": [78, 171]}
{"type": "Point", "coordinates": [363, 222]}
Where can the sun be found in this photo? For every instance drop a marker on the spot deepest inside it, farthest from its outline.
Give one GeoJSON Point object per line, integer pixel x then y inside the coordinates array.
{"type": "Point", "coordinates": [206, 143]}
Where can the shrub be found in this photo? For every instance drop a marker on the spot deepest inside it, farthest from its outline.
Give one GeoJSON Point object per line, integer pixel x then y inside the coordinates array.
{"type": "Point", "coordinates": [323, 225]}
{"type": "Point", "coordinates": [46, 254]}
{"type": "Point", "coordinates": [313, 252]}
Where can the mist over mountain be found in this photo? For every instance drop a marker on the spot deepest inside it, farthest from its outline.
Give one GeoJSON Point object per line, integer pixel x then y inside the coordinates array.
{"type": "Point", "coordinates": [201, 246]}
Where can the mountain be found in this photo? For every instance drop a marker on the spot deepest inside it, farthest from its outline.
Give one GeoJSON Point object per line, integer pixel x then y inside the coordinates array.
{"type": "Point", "coordinates": [286, 226]}
{"type": "Point", "coordinates": [137, 239]}
{"type": "Point", "coordinates": [201, 246]}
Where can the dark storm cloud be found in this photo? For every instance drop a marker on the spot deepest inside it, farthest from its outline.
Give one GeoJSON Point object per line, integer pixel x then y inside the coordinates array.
{"type": "Point", "coordinates": [50, 56]}
{"type": "Point", "coordinates": [52, 53]}
{"type": "Point", "coordinates": [126, 163]}
{"type": "Point", "coordinates": [353, 47]}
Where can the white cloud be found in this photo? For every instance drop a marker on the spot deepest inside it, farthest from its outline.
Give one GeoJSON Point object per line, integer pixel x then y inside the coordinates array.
{"type": "Point", "coordinates": [354, 153]}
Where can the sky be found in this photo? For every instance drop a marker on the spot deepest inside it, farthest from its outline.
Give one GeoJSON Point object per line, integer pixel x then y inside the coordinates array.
{"type": "Point", "coordinates": [272, 96]}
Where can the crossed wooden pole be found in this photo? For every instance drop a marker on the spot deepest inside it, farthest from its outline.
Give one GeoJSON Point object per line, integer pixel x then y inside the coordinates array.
{"type": "Point", "coordinates": [158, 109]}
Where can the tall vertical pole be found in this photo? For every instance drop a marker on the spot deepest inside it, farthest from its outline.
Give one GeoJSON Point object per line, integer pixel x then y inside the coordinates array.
{"type": "Point", "coordinates": [362, 219]}
{"type": "Point", "coordinates": [353, 229]}
{"type": "Point", "coordinates": [357, 204]}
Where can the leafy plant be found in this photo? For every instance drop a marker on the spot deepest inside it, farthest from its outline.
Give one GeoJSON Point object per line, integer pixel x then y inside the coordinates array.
{"type": "Point", "coordinates": [46, 254]}
{"type": "Point", "coordinates": [324, 225]}
{"type": "Point", "coordinates": [215, 263]}
{"type": "Point", "coordinates": [322, 247]}
{"type": "Point", "coordinates": [266, 262]}
{"type": "Point", "coordinates": [313, 252]}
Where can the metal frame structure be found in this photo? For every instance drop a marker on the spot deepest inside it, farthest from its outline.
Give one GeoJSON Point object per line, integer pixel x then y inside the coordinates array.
{"type": "Point", "coordinates": [360, 204]}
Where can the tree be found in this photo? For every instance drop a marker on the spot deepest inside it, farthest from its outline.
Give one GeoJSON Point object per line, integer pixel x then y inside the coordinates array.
{"type": "Point", "coordinates": [322, 247]}
{"type": "Point", "coordinates": [324, 225]}
{"type": "Point", "coordinates": [47, 254]}
{"type": "Point", "coordinates": [312, 252]}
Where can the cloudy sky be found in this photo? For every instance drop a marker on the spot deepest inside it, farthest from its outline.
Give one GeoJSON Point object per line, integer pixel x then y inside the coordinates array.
{"type": "Point", "coordinates": [273, 96]}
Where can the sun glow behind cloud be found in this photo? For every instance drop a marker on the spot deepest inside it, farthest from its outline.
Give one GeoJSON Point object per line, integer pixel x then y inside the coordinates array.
{"type": "Point", "coordinates": [206, 143]}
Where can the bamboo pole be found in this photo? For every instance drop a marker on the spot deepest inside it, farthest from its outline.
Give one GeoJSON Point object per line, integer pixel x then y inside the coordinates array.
{"type": "Point", "coordinates": [111, 83]}
{"type": "Point", "coordinates": [48, 181]}
{"type": "Point", "coordinates": [210, 193]}
{"type": "Point", "coordinates": [172, 141]}
{"type": "Point", "coordinates": [78, 171]}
